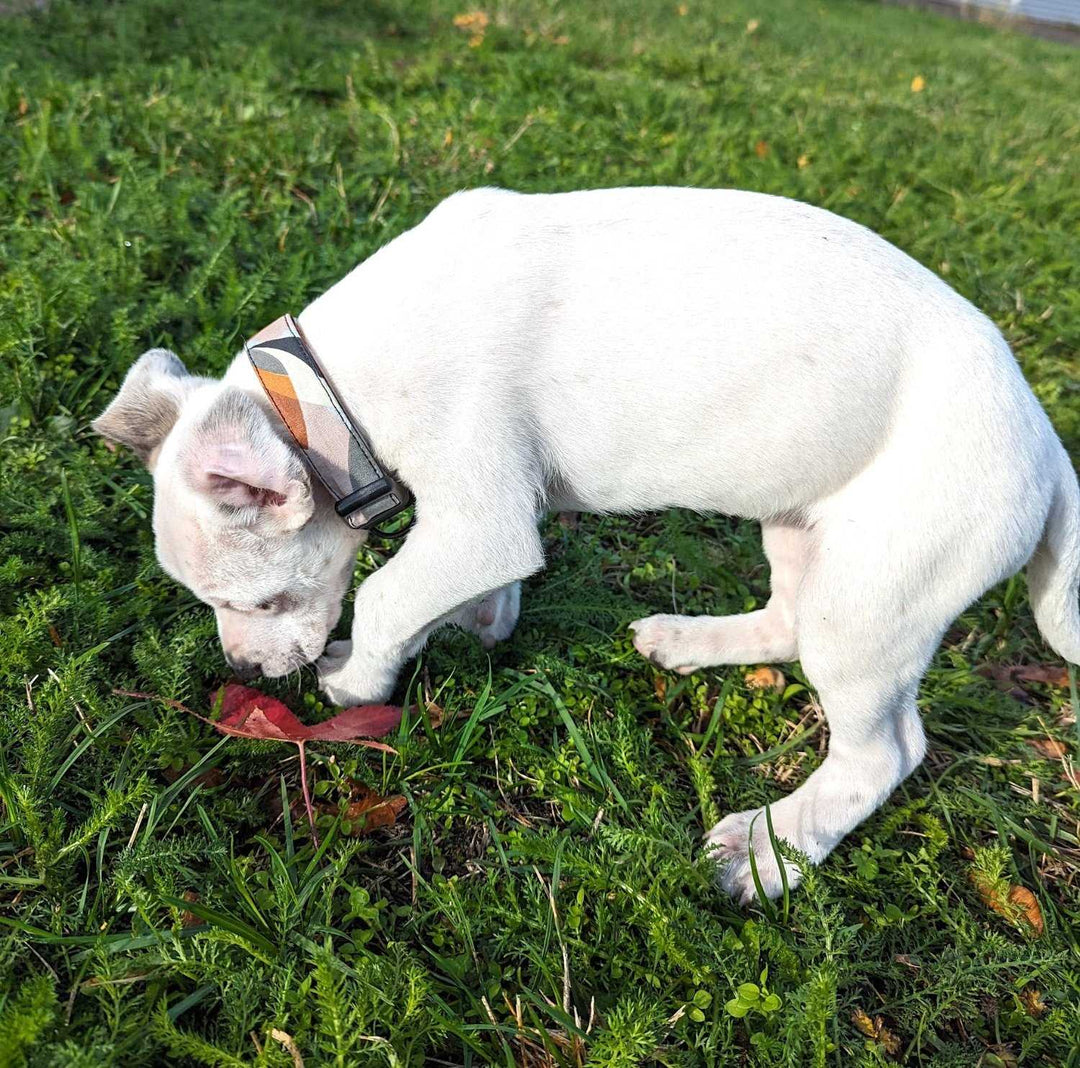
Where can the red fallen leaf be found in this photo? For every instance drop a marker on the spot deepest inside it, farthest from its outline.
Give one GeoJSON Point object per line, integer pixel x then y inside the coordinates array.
{"type": "Point", "coordinates": [247, 713]}
{"type": "Point", "coordinates": [358, 723]}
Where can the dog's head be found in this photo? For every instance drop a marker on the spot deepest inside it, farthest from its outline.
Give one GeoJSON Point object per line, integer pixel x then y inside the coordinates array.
{"type": "Point", "coordinates": [236, 517]}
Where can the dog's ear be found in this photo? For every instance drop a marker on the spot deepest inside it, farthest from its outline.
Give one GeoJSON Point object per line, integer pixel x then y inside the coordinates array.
{"type": "Point", "coordinates": [149, 401]}
{"type": "Point", "coordinates": [234, 457]}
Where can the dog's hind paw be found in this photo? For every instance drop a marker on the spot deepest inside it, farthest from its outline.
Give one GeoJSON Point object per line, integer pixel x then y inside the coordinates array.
{"type": "Point", "coordinates": [728, 843]}
{"type": "Point", "coordinates": [492, 619]}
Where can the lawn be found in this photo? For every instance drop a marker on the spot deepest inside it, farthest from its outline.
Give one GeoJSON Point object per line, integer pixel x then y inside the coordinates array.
{"type": "Point", "coordinates": [181, 173]}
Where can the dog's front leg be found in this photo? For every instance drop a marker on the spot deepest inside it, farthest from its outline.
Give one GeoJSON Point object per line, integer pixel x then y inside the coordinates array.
{"type": "Point", "coordinates": [445, 564]}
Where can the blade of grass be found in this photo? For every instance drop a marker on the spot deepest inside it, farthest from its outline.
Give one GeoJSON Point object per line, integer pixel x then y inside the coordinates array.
{"type": "Point", "coordinates": [225, 922]}
{"type": "Point", "coordinates": [764, 903]}
{"type": "Point", "coordinates": [775, 844]}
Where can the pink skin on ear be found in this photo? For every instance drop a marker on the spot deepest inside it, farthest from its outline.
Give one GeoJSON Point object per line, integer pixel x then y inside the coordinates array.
{"type": "Point", "coordinates": [230, 491]}
{"type": "Point", "coordinates": [233, 473]}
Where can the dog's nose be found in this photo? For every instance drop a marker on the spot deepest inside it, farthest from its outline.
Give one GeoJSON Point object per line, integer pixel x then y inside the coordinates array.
{"type": "Point", "coordinates": [244, 670]}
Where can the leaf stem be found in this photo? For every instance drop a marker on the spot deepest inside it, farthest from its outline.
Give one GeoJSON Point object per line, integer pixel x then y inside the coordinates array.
{"type": "Point", "coordinates": [307, 794]}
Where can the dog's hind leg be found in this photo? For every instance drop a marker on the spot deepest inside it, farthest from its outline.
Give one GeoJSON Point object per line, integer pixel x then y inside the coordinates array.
{"type": "Point", "coordinates": [686, 643]}
{"type": "Point", "coordinates": [886, 575]}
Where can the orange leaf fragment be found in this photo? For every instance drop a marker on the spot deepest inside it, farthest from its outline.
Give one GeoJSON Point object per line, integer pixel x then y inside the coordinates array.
{"type": "Point", "coordinates": [761, 149]}
{"type": "Point", "coordinates": [1015, 903]}
{"type": "Point", "coordinates": [766, 678]}
{"type": "Point", "coordinates": [474, 21]}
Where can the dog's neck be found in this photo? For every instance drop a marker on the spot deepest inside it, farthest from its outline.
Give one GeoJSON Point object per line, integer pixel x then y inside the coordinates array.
{"type": "Point", "coordinates": [285, 377]}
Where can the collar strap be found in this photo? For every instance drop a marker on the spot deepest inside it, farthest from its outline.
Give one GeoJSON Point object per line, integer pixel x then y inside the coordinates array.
{"type": "Point", "coordinates": [335, 447]}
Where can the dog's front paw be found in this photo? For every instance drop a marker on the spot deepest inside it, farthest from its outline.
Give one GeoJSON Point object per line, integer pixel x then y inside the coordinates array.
{"type": "Point", "coordinates": [728, 843]}
{"type": "Point", "coordinates": [348, 682]}
{"type": "Point", "coordinates": [666, 641]}
{"type": "Point", "coordinates": [493, 619]}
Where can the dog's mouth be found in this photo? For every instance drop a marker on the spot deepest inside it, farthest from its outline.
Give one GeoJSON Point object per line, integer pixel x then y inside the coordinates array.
{"type": "Point", "coordinates": [274, 666]}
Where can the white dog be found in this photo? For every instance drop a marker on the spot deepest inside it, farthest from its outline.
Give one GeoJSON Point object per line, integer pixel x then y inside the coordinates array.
{"type": "Point", "coordinates": [619, 351]}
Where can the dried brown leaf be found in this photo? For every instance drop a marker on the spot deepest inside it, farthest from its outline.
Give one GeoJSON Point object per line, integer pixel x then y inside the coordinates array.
{"type": "Point", "coordinates": [1056, 675]}
{"type": "Point", "coordinates": [189, 919]}
{"type": "Point", "coordinates": [875, 1028]}
{"type": "Point", "coordinates": [1050, 748]}
{"type": "Point", "coordinates": [371, 810]}
{"type": "Point", "coordinates": [435, 714]}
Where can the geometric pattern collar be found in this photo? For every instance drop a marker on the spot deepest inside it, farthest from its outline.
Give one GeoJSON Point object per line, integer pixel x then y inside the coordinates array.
{"type": "Point", "coordinates": [335, 447]}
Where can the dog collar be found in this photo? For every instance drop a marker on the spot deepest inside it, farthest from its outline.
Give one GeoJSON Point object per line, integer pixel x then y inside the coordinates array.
{"type": "Point", "coordinates": [335, 447]}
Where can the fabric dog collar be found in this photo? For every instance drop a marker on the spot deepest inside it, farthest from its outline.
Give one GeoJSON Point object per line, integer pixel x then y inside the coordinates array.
{"type": "Point", "coordinates": [336, 449]}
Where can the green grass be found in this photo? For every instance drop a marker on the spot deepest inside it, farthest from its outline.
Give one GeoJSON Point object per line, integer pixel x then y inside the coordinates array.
{"type": "Point", "coordinates": [182, 173]}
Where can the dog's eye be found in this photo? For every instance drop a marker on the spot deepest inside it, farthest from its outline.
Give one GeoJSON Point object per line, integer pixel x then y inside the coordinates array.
{"type": "Point", "coordinates": [274, 604]}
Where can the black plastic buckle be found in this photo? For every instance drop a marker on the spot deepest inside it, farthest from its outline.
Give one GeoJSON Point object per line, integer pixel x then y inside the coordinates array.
{"type": "Point", "coordinates": [364, 495]}
{"type": "Point", "coordinates": [381, 487]}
